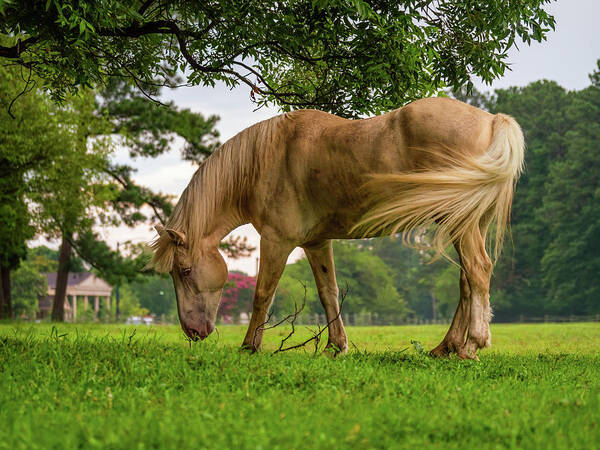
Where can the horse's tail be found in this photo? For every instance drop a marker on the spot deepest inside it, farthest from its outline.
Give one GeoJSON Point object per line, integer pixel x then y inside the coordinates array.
{"type": "Point", "coordinates": [465, 195]}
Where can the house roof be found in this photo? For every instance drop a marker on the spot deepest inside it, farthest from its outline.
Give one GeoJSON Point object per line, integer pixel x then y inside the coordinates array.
{"type": "Point", "coordinates": [84, 283]}
{"type": "Point", "coordinates": [74, 279]}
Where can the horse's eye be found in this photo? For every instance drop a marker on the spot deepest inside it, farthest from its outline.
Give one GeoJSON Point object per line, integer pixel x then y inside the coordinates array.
{"type": "Point", "coordinates": [185, 272]}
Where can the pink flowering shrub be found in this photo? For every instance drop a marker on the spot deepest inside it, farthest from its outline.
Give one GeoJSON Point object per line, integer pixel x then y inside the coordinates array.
{"type": "Point", "coordinates": [237, 296]}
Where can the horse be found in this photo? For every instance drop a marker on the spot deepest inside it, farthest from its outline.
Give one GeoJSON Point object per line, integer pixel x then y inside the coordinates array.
{"type": "Point", "coordinates": [306, 177]}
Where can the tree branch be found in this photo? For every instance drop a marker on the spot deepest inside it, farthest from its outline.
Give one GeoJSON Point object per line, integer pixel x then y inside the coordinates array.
{"type": "Point", "coordinates": [145, 7]}
{"type": "Point", "coordinates": [15, 51]}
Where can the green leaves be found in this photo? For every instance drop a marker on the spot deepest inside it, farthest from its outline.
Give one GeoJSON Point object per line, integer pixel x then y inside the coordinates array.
{"type": "Point", "coordinates": [350, 57]}
{"type": "Point", "coordinates": [27, 286]}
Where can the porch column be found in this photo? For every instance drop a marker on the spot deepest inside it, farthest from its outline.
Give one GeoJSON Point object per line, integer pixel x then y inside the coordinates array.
{"type": "Point", "coordinates": [96, 304]}
{"type": "Point", "coordinates": [85, 303]}
{"type": "Point", "coordinates": [68, 310]}
{"type": "Point", "coordinates": [74, 307]}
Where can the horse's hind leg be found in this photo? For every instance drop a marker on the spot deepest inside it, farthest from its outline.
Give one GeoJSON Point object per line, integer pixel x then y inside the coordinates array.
{"type": "Point", "coordinates": [273, 256]}
{"type": "Point", "coordinates": [478, 270]}
{"type": "Point", "coordinates": [321, 261]}
{"type": "Point", "coordinates": [455, 337]}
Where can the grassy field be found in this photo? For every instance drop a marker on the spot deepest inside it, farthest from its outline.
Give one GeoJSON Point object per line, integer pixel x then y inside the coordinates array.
{"type": "Point", "coordinates": [85, 386]}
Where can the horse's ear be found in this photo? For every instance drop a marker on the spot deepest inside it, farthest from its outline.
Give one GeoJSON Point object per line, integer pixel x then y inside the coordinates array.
{"type": "Point", "coordinates": [176, 236]}
{"type": "Point", "coordinates": [159, 229]}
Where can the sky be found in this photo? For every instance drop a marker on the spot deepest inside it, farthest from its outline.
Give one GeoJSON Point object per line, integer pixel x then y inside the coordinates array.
{"type": "Point", "coordinates": [567, 57]}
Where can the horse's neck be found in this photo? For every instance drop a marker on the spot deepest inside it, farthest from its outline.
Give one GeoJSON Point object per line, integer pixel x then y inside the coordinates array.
{"type": "Point", "coordinates": [223, 219]}
{"type": "Point", "coordinates": [226, 223]}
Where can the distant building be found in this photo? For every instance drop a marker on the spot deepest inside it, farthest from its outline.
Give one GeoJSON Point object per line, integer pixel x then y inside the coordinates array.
{"type": "Point", "coordinates": [85, 286]}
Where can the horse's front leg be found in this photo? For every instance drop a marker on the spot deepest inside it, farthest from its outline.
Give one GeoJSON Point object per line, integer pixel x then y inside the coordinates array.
{"type": "Point", "coordinates": [321, 261]}
{"type": "Point", "coordinates": [273, 256]}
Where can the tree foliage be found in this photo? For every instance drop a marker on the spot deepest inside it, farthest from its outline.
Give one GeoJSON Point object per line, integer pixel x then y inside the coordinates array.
{"type": "Point", "coordinates": [571, 263]}
{"type": "Point", "coordinates": [237, 296]}
{"type": "Point", "coordinates": [28, 143]}
{"type": "Point", "coordinates": [346, 56]}
{"type": "Point", "coordinates": [28, 284]}
{"type": "Point", "coordinates": [551, 264]}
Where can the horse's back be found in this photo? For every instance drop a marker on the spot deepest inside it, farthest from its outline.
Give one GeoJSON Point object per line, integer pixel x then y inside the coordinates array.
{"type": "Point", "coordinates": [311, 187]}
{"type": "Point", "coordinates": [418, 135]}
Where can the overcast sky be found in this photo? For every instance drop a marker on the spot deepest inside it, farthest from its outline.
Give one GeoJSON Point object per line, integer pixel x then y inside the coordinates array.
{"type": "Point", "coordinates": [568, 56]}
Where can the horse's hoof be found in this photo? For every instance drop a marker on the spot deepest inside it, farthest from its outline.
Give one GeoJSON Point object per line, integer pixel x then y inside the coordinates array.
{"type": "Point", "coordinates": [333, 351]}
{"type": "Point", "coordinates": [441, 351]}
{"type": "Point", "coordinates": [463, 353]}
{"type": "Point", "coordinates": [248, 349]}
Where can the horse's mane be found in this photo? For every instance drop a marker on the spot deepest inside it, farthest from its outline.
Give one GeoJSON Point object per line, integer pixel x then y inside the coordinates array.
{"type": "Point", "coordinates": [222, 181]}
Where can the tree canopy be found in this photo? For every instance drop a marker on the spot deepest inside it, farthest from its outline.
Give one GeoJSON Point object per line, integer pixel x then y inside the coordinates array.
{"type": "Point", "coordinates": [59, 180]}
{"type": "Point", "coordinates": [350, 57]}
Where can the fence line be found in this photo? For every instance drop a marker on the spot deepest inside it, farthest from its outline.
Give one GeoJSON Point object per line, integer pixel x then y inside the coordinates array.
{"type": "Point", "coordinates": [374, 319]}
{"type": "Point", "coordinates": [555, 319]}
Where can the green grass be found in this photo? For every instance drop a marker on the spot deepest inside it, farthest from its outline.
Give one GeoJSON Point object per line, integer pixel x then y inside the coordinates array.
{"type": "Point", "coordinates": [99, 386]}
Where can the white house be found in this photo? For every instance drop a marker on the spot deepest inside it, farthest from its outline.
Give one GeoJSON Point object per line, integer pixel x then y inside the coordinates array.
{"type": "Point", "coordinates": [83, 285]}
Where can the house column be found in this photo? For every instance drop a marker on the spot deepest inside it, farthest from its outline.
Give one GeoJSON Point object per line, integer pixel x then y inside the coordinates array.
{"type": "Point", "coordinates": [96, 304]}
{"type": "Point", "coordinates": [85, 303]}
{"type": "Point", "coordinates": [68, 310]}
{"type": "Point", "coordinates": [74, 307]}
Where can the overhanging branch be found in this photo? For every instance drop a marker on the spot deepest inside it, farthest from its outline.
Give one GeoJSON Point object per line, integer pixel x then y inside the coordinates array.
{"type": "Point", "coordinates": [15, 51]}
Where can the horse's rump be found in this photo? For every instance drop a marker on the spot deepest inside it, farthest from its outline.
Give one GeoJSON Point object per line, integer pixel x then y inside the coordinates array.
{"type": "Point", "coordinates": [465, 194]}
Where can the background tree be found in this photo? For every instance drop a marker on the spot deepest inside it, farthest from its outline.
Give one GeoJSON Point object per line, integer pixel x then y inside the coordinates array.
{"type": "Point", "coordinates": [15, 230]}
{"type": "Point", "coordinates": [66, 193]}
{"type": "Point", "coordinates": [130, 303]}
{"type": "Point", "coordinates": [540, 109]}
{"type": "Point", "coordinates": [237, 297]}
{"type": "Point", "coordinates": [571, 209]}
{"type": "Point", "coordinates": [350, 57]}
{"type": "Point", "coordinates": [45, 259]}
{"type": "Point", "coordinates": [28, 285]}
{"type": "Point", "coordinates": [155, 293]}
{"type": "Point", "coordinates": [28, 143]}
{"type": "Point", "coordinates": [414, 274]}
{"type": "Point", "coordinates": [75, 186]}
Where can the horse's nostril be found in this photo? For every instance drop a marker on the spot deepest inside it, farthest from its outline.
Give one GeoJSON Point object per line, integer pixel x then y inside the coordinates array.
{"type": "Point", "coordinates": [203, 336]}
{"type": "Point", "coordinates": [202, 332]}
{"type": "Point", "coordinates": [191, 333]}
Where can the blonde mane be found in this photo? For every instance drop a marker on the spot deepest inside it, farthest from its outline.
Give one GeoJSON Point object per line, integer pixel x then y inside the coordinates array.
{"type": "Point", "coordinates": [221, 183]}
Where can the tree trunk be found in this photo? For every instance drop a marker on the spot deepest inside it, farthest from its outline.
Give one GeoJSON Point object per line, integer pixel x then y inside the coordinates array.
{"type": "Point", "coordinates": [62, 276]}
{"type": "Point", "coordinates": [5, 298]}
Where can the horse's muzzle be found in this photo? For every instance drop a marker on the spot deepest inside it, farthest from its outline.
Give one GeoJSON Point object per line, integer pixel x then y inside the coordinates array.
{"type": "Point", "coordinates": [198, 330]}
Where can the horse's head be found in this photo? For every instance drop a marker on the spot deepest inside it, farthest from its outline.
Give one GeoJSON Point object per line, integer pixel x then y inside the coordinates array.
{"type": "Point", "coordinates": [198, 282]}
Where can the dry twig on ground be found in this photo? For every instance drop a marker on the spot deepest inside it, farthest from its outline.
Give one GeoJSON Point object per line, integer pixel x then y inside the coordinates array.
{"type": "Point", "coordinates": [292, 318]}
{"type": "Point", "coordinates": [317, 332]}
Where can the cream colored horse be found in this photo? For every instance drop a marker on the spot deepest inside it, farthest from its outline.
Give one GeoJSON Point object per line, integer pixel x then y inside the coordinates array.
{"type": "Point", "coordinates": [307, 177]}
